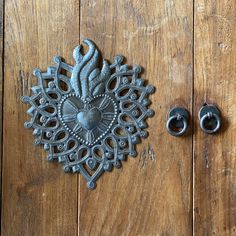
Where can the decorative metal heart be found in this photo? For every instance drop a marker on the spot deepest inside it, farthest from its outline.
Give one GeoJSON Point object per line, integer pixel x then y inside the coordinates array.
{"type": "Point", "coordinates": [89, 120]}
{"type": "Point", "coordinates": [88, 117]}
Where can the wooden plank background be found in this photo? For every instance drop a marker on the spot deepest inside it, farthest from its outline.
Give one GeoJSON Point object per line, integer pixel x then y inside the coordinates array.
{"type": "Point", "coordinates": [38, 198]}
{"type": "Point", "coordinates": [1, 86]}
{"type": "Point", "coordinates": [215, 82]}
{"type": "Point", "coordinates": [188, 51]}
{"type": "Point", "coordinates": [154, 198]}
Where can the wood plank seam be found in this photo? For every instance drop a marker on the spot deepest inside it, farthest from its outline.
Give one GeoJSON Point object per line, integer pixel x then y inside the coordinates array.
{"type": "Point", "coordinates": [193, 109]}
{"type": "Point", "coordinates": [2, 25]}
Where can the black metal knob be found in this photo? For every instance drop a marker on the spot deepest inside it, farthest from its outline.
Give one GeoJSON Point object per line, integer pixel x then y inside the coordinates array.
{"type": "Point", "coordinates": [210, 120]}
{"type": "Point", "coordinates": [177, 122]}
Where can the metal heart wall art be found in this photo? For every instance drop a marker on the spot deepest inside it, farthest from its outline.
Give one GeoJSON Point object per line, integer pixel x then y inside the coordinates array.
{"type": "Point", "coordinates": [89, 117]}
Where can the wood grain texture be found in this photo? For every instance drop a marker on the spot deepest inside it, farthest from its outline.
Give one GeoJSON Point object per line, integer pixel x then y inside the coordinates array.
{"type": "Point", "coordinates": [38, 197]}
{"type": "Point", "coordinates": [1, 85]}
{"type": "Point", "coordinates": [148, 196]}
{"type": "Point", "coordinates": [215, 155]}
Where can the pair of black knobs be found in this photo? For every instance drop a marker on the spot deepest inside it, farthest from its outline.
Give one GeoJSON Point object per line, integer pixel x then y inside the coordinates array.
{"type": "Point", "coordinates": [178, 117]}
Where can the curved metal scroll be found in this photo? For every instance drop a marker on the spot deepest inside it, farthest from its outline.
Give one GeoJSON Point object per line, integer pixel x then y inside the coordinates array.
{"type": "Point", "coordinates": [88, 117]}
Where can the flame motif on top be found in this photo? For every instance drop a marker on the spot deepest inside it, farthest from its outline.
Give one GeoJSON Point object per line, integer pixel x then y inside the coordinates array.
{"type": "Point", "coordinates": [91, 120]}
{"type": "Point", "coordinates": [87, 79]}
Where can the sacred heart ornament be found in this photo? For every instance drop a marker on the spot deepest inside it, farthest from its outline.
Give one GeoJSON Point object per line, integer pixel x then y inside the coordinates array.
{"type": "Point", "coordinates": [91, 115]}
{"type": "Point", "coordinates": [88, 121]}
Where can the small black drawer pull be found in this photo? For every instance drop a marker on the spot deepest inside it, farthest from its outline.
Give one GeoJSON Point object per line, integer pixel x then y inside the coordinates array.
{"type": "Point", "coordinates": [210, 120]}
{"type": "Point", "coordinates": [177, 122]}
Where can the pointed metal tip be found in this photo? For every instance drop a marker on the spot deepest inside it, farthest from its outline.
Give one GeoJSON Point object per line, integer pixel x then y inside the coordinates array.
{"type": "Point", "coordinates": [89, 42]}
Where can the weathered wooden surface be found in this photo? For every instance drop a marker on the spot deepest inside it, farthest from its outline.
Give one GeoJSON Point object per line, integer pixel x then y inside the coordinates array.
{"type": "Point", "coordinates": [1, 83]}
{"type": "Point", "coordinates": [38, 198]}
{"type": "Point", "coordinates": [215, 155]}
{"type": "Point", "coordinates": [150, 195]}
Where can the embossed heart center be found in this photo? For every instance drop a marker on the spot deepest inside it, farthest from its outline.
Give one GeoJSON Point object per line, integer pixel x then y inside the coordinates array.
{"type": "Point", "coordinates": [89, 119]}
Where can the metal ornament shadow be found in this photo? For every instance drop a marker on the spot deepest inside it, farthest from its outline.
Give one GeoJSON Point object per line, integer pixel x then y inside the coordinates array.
{"type": "Point", "coordinates": [88, 117]}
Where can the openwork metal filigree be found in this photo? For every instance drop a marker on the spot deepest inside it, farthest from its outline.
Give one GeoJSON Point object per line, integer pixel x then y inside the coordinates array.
{"type": "Point", "coordinates": [89, 117]}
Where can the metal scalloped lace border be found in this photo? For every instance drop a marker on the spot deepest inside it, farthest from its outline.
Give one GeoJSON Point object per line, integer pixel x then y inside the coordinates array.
{"type": "Point", "coordinates": [88, 117]}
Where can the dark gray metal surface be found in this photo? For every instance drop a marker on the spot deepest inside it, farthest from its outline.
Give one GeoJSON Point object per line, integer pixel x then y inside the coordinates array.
{"type": "Point", "coordinates": [210, 120]}
{"type": "Point", "coordinates": [177, 121]}
{"type": "Point", "coordinates": [89, 118]}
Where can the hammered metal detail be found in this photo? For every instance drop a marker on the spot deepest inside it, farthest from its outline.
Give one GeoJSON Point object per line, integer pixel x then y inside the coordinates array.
{"type": "Point", "coordinates": [89, 118]}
